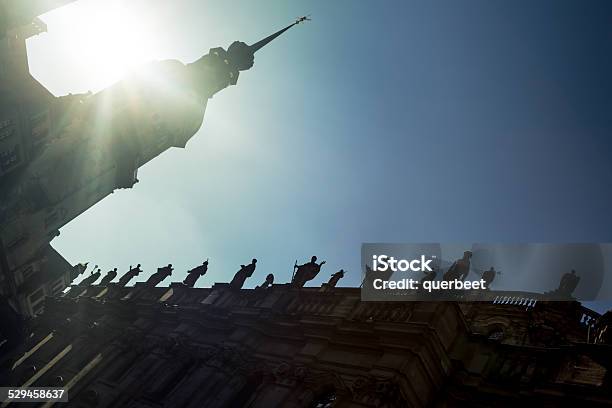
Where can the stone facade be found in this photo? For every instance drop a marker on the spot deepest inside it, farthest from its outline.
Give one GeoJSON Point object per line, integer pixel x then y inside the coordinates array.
{"type": "Point", "coordinates": [148, 346]}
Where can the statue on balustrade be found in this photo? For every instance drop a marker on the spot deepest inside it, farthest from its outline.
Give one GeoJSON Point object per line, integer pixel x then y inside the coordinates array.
{"type": "Point", "coordinates": [195, 273]}
{"type": "Point", "coordinates": [161, 274]}
{"type": "Point", "coordinates": [241, 276]}
{"type": "Point", "coordinates": [567, 285]}
{"type": "Point", "coordinates": [306, 272]}
{"type": "Point", "coordinates": [91, 278]}
{"type": "Point", "coordinates": [129, 275]}
{"type": "Point", "coordinates": [459, 269]}
{"type": "Point", "coordinates": [333, 281]}
{"type": "Point", "coordinates": [80, 268]}
{"type": "Point", "coordinates": [109, 277]}
{"type": "Point", "coordinates": [267, 283]}
{"type": "Point", "coordinates": [371, 275]}
{"type": "Point", "coordinates": [489, 276]}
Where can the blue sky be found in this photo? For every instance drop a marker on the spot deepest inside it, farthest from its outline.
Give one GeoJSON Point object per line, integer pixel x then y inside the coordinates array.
{"type": "Point", "coordinates": [412, 121]}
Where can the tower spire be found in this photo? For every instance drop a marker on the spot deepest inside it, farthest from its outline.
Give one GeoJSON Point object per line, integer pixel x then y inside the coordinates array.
{"type": "Point", "coordinates": [262, 43]}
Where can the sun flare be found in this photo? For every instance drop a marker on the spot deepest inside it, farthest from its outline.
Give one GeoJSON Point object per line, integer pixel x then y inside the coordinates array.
{"type": "Point", "coordinates": [106, 38]}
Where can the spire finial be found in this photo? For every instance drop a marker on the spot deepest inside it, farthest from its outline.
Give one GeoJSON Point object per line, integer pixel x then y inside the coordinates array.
{"type": "Point", "coordinates": [262, 43]}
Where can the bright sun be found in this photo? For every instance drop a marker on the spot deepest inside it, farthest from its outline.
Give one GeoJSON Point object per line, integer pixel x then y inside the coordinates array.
{"type": "Point", "coordinates": [105, 38]}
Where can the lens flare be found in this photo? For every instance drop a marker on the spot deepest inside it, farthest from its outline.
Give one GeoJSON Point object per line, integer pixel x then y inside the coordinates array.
{"type": "Point", "coordinates": [106, 39]}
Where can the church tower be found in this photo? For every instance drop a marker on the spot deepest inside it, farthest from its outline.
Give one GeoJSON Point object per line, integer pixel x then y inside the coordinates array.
{"type": "Point", "coordinates": [87, 146]}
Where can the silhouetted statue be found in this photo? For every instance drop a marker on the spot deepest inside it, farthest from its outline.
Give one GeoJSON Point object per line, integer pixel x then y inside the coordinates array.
{"type": "Point", "coordinates": [460, 268]}
{"type": "Point", "coordinates": [80, 268]}
{"type": "Point", "coordinates": [370, 275]}
{"type": "Point", "coordinates": [129, 275]}
{"type": "Point", "coordinates": [241, 276]}
{"type": "Point", "coordinates": [160, 275]}
{"type": "Point", "coordinates": [489, 276]}
{"type": "Point", "coordinates": [91, 278]}
{"type": "Point", "coordinates": [267, 283]}
{"type": "Point", "coordinates": [333, 281]}
{"type": "Point", "coordinates": [568, 283]}
{"type": "Point", "coordinates": [109, 277]}
{"type": "Point", "coordinates": [306, 272]}
{"type": "Point", "coordinates": [195, 273]}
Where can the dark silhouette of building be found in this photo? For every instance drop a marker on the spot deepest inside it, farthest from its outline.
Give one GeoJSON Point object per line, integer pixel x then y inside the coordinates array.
{"type": "Point", "coordinates": [278, 345]}
{"type": "Point", "coordinates": [29, 269]}
{"type": "Point", "coordinates": [284, 346]}
{"type": "Point", "coordinates": [61, 155]}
